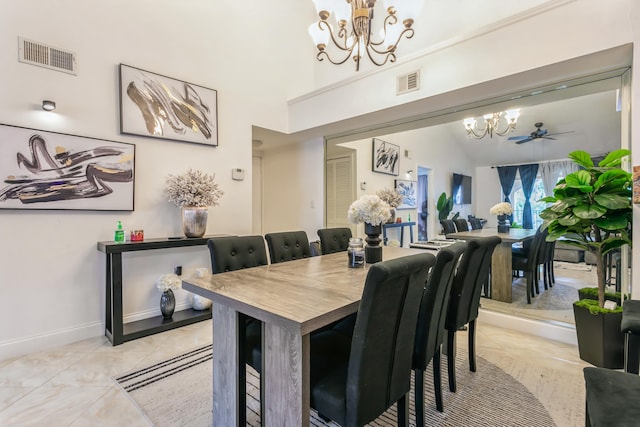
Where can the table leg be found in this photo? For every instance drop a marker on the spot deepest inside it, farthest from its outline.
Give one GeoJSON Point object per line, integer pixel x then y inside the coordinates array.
{"type": "Point", "coordinates": [401, 237]}
{"type": "Point", "coordinates": [501, 273]}
{"type": "Point", "coordinates": [286, 382]}
{"type": "Point", "coordinates": [225, 366]}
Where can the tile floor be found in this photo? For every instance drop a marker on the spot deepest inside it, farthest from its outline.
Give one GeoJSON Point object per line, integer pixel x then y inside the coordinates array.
{"type": "Point", "coordinates": [72, 385]}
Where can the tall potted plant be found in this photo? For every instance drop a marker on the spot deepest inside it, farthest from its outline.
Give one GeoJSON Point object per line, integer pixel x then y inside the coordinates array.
{"type": "Point", "coordinates": [591, 209]}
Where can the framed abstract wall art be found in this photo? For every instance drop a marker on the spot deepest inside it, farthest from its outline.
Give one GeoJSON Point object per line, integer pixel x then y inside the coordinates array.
{"type": "Point", "coordinates": [386, 157]}
{"type": "Point", "coordinates": [161, 107]}
{"type": "Point", "coordinates": [409, 192]}
{"type": "Point", "coordinates": [50, 170]}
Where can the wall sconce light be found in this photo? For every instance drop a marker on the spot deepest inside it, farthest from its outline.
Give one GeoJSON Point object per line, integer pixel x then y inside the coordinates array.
{"type": "Point", "coordinates": [48, 105]}
{"type": "Point", "coordinates": [409, 173]}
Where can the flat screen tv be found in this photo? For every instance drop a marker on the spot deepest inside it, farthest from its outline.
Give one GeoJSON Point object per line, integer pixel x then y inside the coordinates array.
{"type": "Point", "coordinates": [461, 189]}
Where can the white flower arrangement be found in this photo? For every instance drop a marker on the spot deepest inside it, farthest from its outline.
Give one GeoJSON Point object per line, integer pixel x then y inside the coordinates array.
{"type": "Point", "coordinates": [503, 208]}
{"type": "Point", "coordinates": [168, 281]}
{"type": "Point", "coordinates": [370, 209]}
{"type": "Point", "coordinates": [390, 196]}
{"type": "Point", "coordinates": [194, 189]}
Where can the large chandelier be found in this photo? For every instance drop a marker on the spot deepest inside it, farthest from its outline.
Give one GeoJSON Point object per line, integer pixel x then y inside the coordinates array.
{"type": "Point", "coordinates": [350, 30]}
{"type": "Point", "coordinates": [492, 123]}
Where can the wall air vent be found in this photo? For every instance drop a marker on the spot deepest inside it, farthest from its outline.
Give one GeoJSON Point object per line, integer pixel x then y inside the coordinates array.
{"type": "Point", "coordinates": [408, 82]}
{"type": "Point", "coordinates": [36, 53]}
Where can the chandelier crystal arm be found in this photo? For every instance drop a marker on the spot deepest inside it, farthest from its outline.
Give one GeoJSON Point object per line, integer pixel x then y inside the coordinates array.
{"type": "Point", "coordinates": [341, 41]}
{"type": "Point", "coordinates": [388, 56]}
{"type": "Point", "coordinates": [322, 54]}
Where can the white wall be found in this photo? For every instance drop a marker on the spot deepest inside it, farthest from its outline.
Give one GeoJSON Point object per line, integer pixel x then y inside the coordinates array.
{"type": "Point", "coordinates": [51, 275]}
{"type": "Point", "coordinates": [293, 188]}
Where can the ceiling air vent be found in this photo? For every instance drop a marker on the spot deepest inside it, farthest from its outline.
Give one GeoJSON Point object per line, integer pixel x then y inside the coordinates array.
{"type": "Point", "coordinates": [408, 82]}
{"type": "Point", "coordinates": [36, 53]}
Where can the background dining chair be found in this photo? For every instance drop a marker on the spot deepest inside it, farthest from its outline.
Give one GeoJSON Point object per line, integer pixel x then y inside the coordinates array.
{"type": "Point", "coordinates": [430, 329]}
{"type": "Point", "coordinates": [230, 254]}
{"type": "Point", "coordinates": [355, 378]}
{"type": "Point", "coordinates": [448, 226]}
{"type": "Point", "coordinates": [334, 239]}
{"type": "Point", "coordinates": [287, 246]}
{"type": "Point", "coordinates": [468, 282]}
{"type": "Point", "coordinates": [529, 261]}
{"type": "Point", "coordinates": [461, 224]}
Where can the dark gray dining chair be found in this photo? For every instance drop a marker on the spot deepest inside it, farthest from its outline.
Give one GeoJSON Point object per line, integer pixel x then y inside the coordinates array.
{"type": "Point", "coordinates": [287, 246]}
{"type": "Point", "coordinates": [334, 239]}
{"type": "Point", "coordinates": [461, 224]}
{"type": "Point", "coordinates": [355, 377]}
{"type": "Point", "coordinates": [236, 253]}
{"type": "Point", "coordinates": [430, 330]}
{"type": "Point", "coordinates": [448, 226]}
{"type": "Point", "coordinates": [464, 305]}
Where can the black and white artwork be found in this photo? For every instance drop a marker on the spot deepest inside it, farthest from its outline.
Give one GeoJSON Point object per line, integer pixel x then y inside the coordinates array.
{"type": "Point", "coordinates": [50, 170]}
{"type": "Point", "coordinates": [408, 190]}
{"type": "Point", "coordinates": [161, 107]}
{"type": "Point", "coordinates": [386, 157]}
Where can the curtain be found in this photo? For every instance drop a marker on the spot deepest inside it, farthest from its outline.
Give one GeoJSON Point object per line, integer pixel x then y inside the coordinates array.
{"type": "Point", "coordinates": [528, 175]}
{"type": "Point", "coordinates": [423, 213]}
{"type": "Point", "coordinates": [551, 171]}
{"type": "Point", "coordinates": [507, 175]}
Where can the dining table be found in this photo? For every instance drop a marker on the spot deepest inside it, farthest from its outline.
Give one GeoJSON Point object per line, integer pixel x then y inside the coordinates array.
{"type": "Point", "coordinates": [291, 299]}
{"type": "Point", "coordinates": [501, 267]}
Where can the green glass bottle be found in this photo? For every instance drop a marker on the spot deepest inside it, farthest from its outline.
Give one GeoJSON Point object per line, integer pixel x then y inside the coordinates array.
{"type": "Point", "coordinates": [118, 235]}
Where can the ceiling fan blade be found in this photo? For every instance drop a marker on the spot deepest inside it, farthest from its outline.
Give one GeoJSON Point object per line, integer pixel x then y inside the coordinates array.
{"type": "Point", "coordinates": [522, 141]}
{"type": "Point", "coordinates": [548, 137]}
{"type": "Point", "coordinates": [518, 138]}
{"type": "Point", "coordinates": [561, 133]}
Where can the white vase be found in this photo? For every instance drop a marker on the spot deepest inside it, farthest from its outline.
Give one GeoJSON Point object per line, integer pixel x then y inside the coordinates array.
{"type": "Point", "coordinates": [194, 220]}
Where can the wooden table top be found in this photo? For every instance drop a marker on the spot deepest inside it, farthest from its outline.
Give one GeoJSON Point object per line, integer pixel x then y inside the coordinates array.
{"type": "Point", "coordinates": [301, 295]}
{"type": "Point", "coordinates": [514, 235]}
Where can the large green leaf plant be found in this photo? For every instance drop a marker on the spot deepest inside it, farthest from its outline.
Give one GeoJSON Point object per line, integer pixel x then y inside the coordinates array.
{"type": "Point", "coordinates": [591, 209]}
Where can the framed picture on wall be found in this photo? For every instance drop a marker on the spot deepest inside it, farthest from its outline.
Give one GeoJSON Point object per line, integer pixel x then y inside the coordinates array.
{"type": "Point", "coordinates": [161, 107]}
{"type": "Point", "coordinates": [50, 170]}
{"type": "Point", "coordinates": [409, 192]}
{"type": "Point", "coordinates": [386, 157]}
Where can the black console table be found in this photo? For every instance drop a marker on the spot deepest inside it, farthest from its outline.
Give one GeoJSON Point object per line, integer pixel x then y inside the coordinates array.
{"type": "Point", "coordinates": [115, 330]}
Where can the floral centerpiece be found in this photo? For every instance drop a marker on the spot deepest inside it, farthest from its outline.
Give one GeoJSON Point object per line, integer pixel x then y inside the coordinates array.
{"type": "Point", "coordinates": [392, 198]}
{"type": "Point", "coordinates": [502, 210]}
{"type": "Point", "coordinates": [374, 212]}
{"type": "Point", "coordinates": [193, 191]}
{"type": "Point", "coordinates": [168, 282]}
{"type": "Point", "coordinates": [369, 209]}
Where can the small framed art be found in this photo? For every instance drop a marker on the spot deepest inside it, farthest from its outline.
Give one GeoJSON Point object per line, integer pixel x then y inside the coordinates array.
{"type": "Point", "coordinates": [408, 190]}
{"type": "Point", "coordinates": [386, 157]}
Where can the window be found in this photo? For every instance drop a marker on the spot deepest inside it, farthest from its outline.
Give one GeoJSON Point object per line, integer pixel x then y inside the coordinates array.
{"type": "Point", "coordinates": [517, 200]}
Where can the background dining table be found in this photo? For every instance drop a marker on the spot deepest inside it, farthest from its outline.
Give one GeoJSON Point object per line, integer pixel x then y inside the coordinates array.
{"type": "Point", "coordinates": [501, 267]}
{"type": "Point", "coordinates": [292, 299]}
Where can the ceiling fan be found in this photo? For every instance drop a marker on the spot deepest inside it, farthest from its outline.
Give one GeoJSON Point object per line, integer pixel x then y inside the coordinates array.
{"type": "Point", "coordinates": [536, 134]}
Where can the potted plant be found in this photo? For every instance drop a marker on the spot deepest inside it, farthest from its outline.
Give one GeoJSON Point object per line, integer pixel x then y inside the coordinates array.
{"type": "Point", "coordinates": [193, 191]}
{"type": "Point", "coordinates": [444, 206]}
{"type": "Point", "coordinates": [591, 209]}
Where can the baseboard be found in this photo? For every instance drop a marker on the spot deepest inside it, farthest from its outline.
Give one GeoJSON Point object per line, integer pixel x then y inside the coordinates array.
{"type": "Point", "coordinates": [53, 339]}
{"type": "Point", "coordinates": [545, 329]}
{"type": "Point", "coordinates": [49, 340]}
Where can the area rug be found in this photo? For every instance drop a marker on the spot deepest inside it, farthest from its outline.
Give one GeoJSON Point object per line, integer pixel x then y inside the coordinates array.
{"type": "Point", "coordinates": [557, 297]}
{"type": "Point", "coordinates": [177, 392]}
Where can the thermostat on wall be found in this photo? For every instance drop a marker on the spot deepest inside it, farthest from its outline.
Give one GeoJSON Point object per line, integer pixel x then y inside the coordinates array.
{"type": "Point", "coordinates": [237, 174]}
